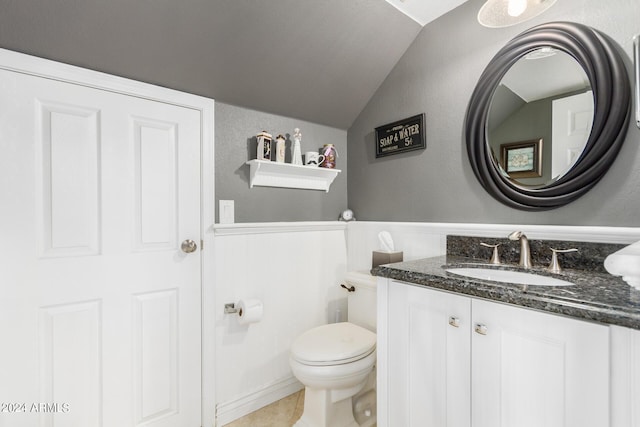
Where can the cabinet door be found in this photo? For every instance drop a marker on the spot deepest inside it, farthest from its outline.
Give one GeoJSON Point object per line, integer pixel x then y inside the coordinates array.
{"type": "Point", "coordinates": [531, 369]}
{"type": "Point", "coordinates": [428, 366]}
{"type": "Point", "coordinates": [625, 377]}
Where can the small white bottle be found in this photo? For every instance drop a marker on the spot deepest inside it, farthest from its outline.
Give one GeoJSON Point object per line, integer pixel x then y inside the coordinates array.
{"type": "Point", "coordinates": [280, 149]}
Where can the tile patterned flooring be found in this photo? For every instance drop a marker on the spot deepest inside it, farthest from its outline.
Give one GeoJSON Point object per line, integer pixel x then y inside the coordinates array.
{"type": "Point", "coordinates": [282, 413]}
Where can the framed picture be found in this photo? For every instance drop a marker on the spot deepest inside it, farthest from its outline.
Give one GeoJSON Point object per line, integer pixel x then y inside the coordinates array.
{"type": "Point", "coordinates": [522, 159]}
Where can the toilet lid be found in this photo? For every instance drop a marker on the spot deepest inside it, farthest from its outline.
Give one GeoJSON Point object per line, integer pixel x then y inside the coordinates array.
{"type": "Point", "coordinates": [334, 343]}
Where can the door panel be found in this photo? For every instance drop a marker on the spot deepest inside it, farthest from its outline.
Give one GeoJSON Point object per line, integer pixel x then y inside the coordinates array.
{"type": "Point", "coordinates": [100, 307]}
{"type": "Point", "coordinates": [429, 370]}
{"type": "Point", "coordinates": [156, 184]}
{"type": "Point", "coordinates": [68, 149]}
{"type": "Point", "coordinates": [155, 355]}
{"type": "Point", "coordinates": [533, 369]}
{"type": "Point", "coordinates": [572, 120]}
{"type": "Point", "coordinates": [70, 362]}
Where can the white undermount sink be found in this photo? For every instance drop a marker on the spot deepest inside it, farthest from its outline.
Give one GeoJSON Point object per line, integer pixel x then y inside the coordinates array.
{"type": "Point", "coordinates": [507, 276]}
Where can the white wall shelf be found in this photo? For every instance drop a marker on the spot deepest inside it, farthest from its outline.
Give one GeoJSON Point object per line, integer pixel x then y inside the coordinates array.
{"type": "Point", "coordinates": [265, 173]}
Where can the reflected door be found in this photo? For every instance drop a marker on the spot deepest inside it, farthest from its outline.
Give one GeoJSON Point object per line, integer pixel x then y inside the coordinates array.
{"type": "Point", "coordinates": [572, 120]}
{"type": "Point", "coordinates": [100, 308]}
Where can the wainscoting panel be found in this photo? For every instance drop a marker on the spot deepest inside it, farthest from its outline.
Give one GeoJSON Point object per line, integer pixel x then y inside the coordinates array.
{"type": "Point", "coordinates": [296, 270]}
{"type": "Point", "coordinates": [423, 240]}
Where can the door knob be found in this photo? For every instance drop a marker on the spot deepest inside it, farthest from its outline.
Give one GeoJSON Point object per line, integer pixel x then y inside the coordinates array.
{"type": "Point", "coordinates": [481, 329]}
{"type": "Point", "coordinates": [188, 246]}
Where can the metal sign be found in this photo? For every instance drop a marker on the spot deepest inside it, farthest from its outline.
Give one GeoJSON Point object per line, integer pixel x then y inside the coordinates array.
{"type": "Point", "coordinates": [401, 136]}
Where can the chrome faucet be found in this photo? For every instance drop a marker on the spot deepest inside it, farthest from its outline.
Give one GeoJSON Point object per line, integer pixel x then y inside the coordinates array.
{"type": "Point", "coordinates": [525, 251]}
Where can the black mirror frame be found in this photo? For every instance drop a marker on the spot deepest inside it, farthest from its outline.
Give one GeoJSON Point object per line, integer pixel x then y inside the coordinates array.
{"type": "Point", "coordinates": [612, 105]}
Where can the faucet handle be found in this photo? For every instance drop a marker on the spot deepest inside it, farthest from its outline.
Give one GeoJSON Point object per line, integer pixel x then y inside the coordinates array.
{"type": "Point", "coordinates": [495, 258]}
{"type": "Point", "coordinates": [554, 267]}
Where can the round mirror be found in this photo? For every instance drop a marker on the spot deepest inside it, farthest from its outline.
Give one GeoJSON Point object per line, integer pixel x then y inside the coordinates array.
{"type": "Point", "coordinates": [548, 116]}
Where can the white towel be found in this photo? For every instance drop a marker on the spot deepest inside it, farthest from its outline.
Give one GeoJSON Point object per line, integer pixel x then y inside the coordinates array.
{"type": "Point", "coordinates": [626, 263]}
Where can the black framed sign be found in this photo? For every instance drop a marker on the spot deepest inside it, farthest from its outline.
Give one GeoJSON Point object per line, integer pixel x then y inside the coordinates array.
{"type": "Point", "coordinates": [401, 136]}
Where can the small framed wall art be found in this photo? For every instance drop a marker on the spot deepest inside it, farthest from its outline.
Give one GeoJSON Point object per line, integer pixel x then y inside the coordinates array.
{"type": "Point", "coordinates": [522, 159]}
{"type": "Point", "coordinates": [401, 136]}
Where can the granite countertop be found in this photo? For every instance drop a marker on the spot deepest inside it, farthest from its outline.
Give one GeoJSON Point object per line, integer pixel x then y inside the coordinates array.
{"type": "Point", "coordinates": [596, 296]}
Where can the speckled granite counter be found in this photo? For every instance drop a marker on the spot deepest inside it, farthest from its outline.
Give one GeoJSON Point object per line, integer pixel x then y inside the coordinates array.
{"type": "Point", "coordinates": [596, 296]}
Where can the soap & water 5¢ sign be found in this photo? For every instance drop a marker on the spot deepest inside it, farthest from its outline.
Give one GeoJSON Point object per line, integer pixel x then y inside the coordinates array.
{"type": "Point", "coordinates": [401, 136]}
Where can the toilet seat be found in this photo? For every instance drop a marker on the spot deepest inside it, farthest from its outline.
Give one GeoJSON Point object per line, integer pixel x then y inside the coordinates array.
{"type": "Point", "coordinates": [333, 344]}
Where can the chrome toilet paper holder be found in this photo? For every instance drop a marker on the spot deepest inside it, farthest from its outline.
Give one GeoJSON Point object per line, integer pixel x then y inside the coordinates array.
{"type": "Point", "coordinates": [248, 310]}
{"type": "Point", "coordinates": [230, 308]}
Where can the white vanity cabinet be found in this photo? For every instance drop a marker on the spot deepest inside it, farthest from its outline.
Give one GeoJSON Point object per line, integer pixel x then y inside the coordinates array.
{"type": "Point", "coordinates": [446, 360]}
{"type": "Point", "coordinates": [428, 367]}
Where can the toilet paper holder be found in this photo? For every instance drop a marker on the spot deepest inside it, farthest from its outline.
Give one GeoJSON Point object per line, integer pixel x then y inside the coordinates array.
{"type": "Point", "coordinates": [248, 310]}
{"type": "Point", "coordinates": [230, 308]}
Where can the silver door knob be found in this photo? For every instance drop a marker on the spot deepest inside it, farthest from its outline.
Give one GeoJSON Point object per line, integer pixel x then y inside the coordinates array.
{"type": "Point", "coordinates": [481, 329]}
{"type": "Point", "coordinates": [188, 246]}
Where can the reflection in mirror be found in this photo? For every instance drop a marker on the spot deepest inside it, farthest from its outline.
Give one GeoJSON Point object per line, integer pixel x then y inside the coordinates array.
{"type": "Point", "coordinates": [540, 117]}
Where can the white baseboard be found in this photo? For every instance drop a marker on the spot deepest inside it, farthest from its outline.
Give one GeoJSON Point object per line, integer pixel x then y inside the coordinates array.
{"type": "Point", "coordinates": [227, 412]}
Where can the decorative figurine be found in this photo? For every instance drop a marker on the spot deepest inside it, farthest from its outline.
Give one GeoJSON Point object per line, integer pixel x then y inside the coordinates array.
{"type": "Point", "coordinates": [264, 145]}
{"type": "Point", "coordinates": [296, 157]}
{"type": "Point", "coordinates": [280, 149]}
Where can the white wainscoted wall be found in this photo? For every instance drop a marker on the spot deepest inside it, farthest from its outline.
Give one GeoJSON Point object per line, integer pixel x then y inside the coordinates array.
{"type": "Point", "coordinates": [422, 240]}
{"type": "Point", "coordinates": [296, 270]}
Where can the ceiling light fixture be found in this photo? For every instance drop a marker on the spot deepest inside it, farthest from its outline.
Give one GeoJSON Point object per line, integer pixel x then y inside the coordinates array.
{"type": "Point", "coordinates": [504, 13]}
{"type": "Point", "coordinates": [515, 8]}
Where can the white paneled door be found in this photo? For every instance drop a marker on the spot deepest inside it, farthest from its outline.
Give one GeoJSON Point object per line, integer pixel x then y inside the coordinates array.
{"type": "Point", "coordinates": [572, 120]}
{"type": "Point", "coordinates": [100, 312]}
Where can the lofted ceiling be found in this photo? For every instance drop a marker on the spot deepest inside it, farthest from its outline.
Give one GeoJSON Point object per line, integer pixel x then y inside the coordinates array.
{"type": "Point", "coordinates": [538, 77]}
{"type": "Point", "coordinates": [317, 60]}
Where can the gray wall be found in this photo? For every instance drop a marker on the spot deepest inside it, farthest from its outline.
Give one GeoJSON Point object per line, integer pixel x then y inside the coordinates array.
{"type": "Point", "coordinates": [235, 131]}
{"type": "Point", "coordinates": [436, 76]}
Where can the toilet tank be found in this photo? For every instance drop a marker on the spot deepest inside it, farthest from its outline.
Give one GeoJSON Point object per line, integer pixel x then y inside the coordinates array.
{"type": "Point", "coordinates": [362, 303]}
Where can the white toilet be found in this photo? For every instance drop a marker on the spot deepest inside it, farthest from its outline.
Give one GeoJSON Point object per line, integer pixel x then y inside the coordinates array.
{"type": "Point", "coordinates": [336, 361]}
